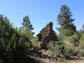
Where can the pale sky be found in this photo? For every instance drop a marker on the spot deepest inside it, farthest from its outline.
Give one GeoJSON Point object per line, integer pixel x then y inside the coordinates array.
{"type": "Point", "coordinates": [41, 12]}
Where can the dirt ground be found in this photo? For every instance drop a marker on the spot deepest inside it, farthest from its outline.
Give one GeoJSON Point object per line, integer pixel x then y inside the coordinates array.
{"type": "Point", "coordinates": [46, 60]}
{"type": "Point", "coordinates": [75, 61]}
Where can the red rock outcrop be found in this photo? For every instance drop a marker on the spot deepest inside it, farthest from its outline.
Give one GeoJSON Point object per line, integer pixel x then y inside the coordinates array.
{"type": "Point", "coordinates": [46, 35]}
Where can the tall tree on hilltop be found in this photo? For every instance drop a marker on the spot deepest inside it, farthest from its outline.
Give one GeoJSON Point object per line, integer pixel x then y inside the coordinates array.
{"type": "Point", "coordinates": [64, 19]}
{"type": "Point", "coordinates": [27, 24]}
{"type": "Point", "coordinates": [27, 27]}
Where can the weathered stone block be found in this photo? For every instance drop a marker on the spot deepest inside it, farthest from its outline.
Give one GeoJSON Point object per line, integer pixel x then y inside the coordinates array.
{"type": "Point", "coordinates": [46, 35]}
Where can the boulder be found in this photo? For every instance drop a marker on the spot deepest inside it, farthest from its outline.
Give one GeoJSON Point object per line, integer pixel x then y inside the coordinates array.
{"type": "Point", "coordinates": [46, 35]}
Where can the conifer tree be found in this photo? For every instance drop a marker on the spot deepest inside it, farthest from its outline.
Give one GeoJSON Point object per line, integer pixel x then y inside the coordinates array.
{"type": "Point", "coordinates": [27, 28]}
{"type": "Point", "coordinates": [27, 24]}
{"type": "Point", "coordinates": [65, 21]}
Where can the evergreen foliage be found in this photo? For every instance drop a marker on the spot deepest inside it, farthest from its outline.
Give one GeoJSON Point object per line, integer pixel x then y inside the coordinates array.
{"type": "Point", "coordinates": [26, 23]}
{"type": "Point", "coordinates": [27, 28]}
{"type": "Point", "coordinates": [12, 44]}
{"type": "Point", "coordinates": [64, 19]}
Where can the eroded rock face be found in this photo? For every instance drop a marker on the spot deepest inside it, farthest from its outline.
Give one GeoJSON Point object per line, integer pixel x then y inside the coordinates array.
{"type": "Point", "coordinates": [46, 35]}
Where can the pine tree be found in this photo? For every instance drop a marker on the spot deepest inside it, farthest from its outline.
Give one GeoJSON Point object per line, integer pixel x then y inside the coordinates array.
{"type": "Point", "coordinates": [27, 28]}
{"type": "Point", "coordinates": [26, 23]}
{"type": "Point", "coordinates": [64, 19]}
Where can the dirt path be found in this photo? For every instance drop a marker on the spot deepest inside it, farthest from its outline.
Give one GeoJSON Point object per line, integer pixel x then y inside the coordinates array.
{"type": "Point", "coordinates": [46, 60]}
{"type": "Point", "coordinates": [75, 61]}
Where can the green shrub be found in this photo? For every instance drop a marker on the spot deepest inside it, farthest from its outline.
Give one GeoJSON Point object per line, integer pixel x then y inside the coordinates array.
{"type": "Point", "coordinates": [12, 44]}
{"type": "Point", "coordinates": [56, 48]}
{"type": "Point", "coordinates": [35, 42]}
{"type": "Point", "coordinates": [74, 39]}
{"type": "Point", "coordinates": [68, 50]}
{"type": "Point", "coordinates": [81, 46]}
